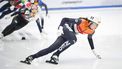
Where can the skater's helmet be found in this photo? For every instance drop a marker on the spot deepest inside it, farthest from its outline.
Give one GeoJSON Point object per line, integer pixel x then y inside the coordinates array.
{"type": "Point", "coordinates": [27, 14]}
{"type": "Point", "coordinates": [94, 19]}
{"type": "Point", "coordinates": [28, 5]}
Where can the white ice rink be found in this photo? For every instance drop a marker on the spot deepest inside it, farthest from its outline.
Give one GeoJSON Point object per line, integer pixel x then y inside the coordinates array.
{"type": "Point", "coordinates": [107, 40]}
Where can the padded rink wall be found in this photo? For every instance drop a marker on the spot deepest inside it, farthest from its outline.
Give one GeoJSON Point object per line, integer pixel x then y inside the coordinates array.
{"type": "Point", "coordinates": [110, 12]}
{"type": "Point", "coordinates": [81, 4]}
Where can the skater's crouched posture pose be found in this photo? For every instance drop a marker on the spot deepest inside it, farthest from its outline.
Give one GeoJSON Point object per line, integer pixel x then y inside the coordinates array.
{"type": "Point", "coordinates": [21, 19]}
{"type": "Point", "coordinates": [68, 29]}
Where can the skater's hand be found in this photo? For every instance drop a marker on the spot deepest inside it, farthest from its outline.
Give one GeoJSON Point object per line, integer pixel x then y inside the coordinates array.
{"type": "Point", "coordinates": [60, 31]}
{"type": "Point", "coordinates": [98, 56]}
{"type": "Point", "coordinates": [12, 7]}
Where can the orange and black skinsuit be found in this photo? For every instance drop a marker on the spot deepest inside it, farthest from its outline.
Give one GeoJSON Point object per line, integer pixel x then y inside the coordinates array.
{"type": "Point", "coordinates": [68, 37]}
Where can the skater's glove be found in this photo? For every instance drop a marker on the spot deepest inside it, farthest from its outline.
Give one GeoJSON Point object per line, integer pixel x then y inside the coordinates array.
{"type": "Point", "coordinates": [12, 7]}
{"type": "Point", "coordinates": [98, 56]}
{"type": "Point", "coordinates": [60, 31]}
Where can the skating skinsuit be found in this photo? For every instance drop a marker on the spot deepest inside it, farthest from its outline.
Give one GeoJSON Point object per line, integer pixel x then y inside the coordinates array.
{"type": "Point", "coordinates": [82, 25]}
{"type": "Point", "coordinates": [70, 26]}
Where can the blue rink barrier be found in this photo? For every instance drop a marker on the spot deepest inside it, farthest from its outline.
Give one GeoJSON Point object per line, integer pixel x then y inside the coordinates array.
{"type": "Point", "coordinates": [86, 7]}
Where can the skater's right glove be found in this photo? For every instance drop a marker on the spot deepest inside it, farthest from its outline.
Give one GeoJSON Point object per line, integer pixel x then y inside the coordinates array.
{"type": "Point", "coordinates": [60, 31]}
{"type": "Point", "coordinates": [98, 56]}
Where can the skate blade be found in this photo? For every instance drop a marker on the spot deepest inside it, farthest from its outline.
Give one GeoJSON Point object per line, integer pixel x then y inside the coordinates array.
{"type": "Point", "coordinates": [25, 62]}
{"type": "Point", "coordinates": [47, 61]}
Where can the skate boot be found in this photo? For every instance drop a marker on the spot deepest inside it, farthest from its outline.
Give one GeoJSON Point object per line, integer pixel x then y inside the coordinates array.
{"type": "Point", "coordinates": [54, 60]}
{"type": "Point", "coordinates": [28, 60]}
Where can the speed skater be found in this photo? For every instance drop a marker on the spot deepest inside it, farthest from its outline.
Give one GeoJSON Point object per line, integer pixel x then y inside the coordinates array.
{"type": "Point", "coordinates": [67, 30]}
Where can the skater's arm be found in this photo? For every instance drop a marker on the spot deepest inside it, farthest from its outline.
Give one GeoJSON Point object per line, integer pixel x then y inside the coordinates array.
{"type": "Point", "coordinates": [45, 6]}
{"type": "Point", "coordinates": [69, 20]}
{"type": "Point", "coordinates": [92, 46]}
{"type": "Point", "coordinates": [15, 13]}
{"type": "Point", "coordinates": [90, 40]}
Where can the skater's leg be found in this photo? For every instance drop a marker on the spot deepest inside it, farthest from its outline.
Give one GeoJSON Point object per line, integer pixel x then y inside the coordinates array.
{"type": "Point", "coordinates": [51, 48]}
{"type": "Point", "coordinates": [71, 39]}
{"type": "Point", "coordinates": [43, 52]}
{"type": "Point", "coordinates": [55, 57]}
{"type": "Point", "coordinates": [16, 24]}
{"type": "Point", "coordinates": [10, 28]}
{"type": "Point", "coordinates": [42, 22]}
{"type": "Point", "coordinates": [39, 26]}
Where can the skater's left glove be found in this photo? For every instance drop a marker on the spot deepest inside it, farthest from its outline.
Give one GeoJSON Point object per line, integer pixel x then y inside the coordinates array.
{"type": "Point", "coordinates": [12, 7]}
{"type": "Point", "coordinates": [60, 31]}
{"type": "Point", "coordinates": [98, 56]}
